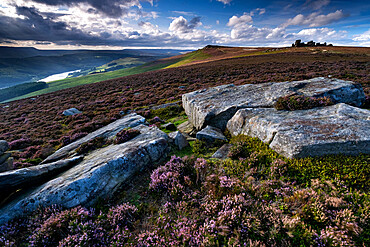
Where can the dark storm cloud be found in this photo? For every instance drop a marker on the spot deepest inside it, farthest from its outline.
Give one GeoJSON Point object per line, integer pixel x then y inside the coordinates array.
{"type": "Point", "coordinates": [38, 26]}
{"type": "Point", "coordinates": [110, 8]}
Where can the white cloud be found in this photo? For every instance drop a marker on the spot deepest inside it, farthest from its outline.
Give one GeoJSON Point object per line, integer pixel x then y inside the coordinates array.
{"type": "Point", "coordinates": [182, 25]}
{"type": "Point", "coordinates": [149, 28]}
{"type": "Point", "coordinates": [315, 20]}
{"type": "Point", "coordinates": [224, 1]}
{"type": "Point", "coordinates": [242, 20]}
{"type": "Point", "coordinates": [316, 4]}
{"type": "Point", "coordinates": [320, 34]}
{"type": "Point", "coordinates": [183, 13]}
{"type": "Point", "coordinates": [261, 11]}
{"type": "Point", "coordinates": [242, 29]}
{"type": "Point", "coordinates": [362, 37]}
{"type": "Point", "coordinates": [252, 33]}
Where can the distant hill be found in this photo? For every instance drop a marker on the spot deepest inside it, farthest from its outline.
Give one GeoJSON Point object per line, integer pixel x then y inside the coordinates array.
{"type": "Point", "coordinates": [24, 64]}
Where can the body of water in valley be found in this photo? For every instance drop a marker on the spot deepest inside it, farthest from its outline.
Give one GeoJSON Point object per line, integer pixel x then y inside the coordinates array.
{"type": "Point", "coordinates": [59, 76]}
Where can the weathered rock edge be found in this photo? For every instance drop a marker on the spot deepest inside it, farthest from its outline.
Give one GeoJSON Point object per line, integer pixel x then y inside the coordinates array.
{"type": "Point", "coordinates": [337, 129]}
{"type": "Point", "coordinates": [97, 176]}
{"type": "Point", "coordinates": [24, 177]}
{"type": "Point", "coordinates": [215, 106]}
{"type": "Point", "coordinates": [109, 131]}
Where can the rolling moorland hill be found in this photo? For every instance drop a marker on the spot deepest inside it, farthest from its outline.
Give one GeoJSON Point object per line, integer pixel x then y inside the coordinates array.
{"type": "Point", "coordinates": [20, 65]}
{"type": "Point", "coordinates": [207, 54]}
{"type": "Point", "coordinates": [256, 197]}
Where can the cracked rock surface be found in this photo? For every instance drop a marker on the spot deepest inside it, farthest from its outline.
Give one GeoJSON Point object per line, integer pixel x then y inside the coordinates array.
{"type": "Point", "coordinates": [337, 129]}
{"type": "Point", "coordinates": [215, 106]}
{"type": "Point", "coordinates": [108, 132]}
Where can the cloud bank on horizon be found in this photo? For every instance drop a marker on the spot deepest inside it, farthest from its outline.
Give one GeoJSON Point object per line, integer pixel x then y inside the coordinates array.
{"type": "Point", "coordinates": [188, 24]}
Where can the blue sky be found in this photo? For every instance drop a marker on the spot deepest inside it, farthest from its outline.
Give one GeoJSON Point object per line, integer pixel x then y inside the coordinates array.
{"type": "Point", "coordinates": [102, 24]}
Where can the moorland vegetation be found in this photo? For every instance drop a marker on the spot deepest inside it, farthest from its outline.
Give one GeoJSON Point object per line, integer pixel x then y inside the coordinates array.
{"type": "Point", "coordinates": [254, 198]}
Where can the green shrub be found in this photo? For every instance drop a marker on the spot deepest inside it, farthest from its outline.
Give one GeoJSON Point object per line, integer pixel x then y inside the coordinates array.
{"type": "Point", "coordinates": [199, 147]}
{"type": "Point", "coordinates": [168, 112]}
{"type": "Point", "coordinates": [353, 170]}
{"type": "Point", "coordinates": [243, 146]}
{"type": "Point", "coordinates": [204, 149]}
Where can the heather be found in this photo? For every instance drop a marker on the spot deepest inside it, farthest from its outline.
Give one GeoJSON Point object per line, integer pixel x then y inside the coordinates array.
{"type": "Point", "coordinates": [254, 198]}
{"type": "Point", "coordinates": [38, 122]}
{"type": "Point", "coordinates": [301, 102]}
{"type": "Point", "coordinates": [126, 135]}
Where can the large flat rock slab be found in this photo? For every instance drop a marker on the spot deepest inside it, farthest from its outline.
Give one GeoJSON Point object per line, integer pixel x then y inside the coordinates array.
{"type": "Point", "coordinates": [215, 106]}
{"type": "Point", "coordinates": [337, 129]}
{"type": "Point", "coordinates": [109, 131]}
{"type": "Point", "coordinates": [99, 175]}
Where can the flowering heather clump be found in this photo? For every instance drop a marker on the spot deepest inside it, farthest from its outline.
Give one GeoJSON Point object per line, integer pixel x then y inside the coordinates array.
{"type": "Point", "coordinates": [72, 227]}
{"type": "Point", "coordinates": [301, 102]}
{"type": "Point", "coordinates": [278, 168]}
{"type": "Point", "coordinates": [156, 120]}
{"type": "Point", "coordinates": [122, 215]}
{"type": "Point", "coordinates": [19, 143]}
{"type": "Point", "coordinates": [169, 178]}
{"type": "Point", "coordinates": [126, 135]}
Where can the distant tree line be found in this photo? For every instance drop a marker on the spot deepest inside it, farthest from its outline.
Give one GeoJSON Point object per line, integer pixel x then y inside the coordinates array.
{"type": "Point", "coordinates": [21, 89]}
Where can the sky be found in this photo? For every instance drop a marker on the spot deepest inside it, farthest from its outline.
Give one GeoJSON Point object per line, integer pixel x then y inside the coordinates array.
{"type": "Point", "coordinates": [181, 24]}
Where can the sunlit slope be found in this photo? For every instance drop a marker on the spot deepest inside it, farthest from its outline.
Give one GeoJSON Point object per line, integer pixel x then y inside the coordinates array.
{"type": "Point", "coordinates": [88, 79]}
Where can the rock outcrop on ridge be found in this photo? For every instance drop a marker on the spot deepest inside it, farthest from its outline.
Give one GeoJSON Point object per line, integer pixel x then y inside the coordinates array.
{"type": "Point", "coordinates": [99, 174]}
{"type": "Point", "coordinates": [248, 109]}
{"type": "Point", "coordinates": [337, 129]}
{"type": "Point", "coordinates": [215, 106]}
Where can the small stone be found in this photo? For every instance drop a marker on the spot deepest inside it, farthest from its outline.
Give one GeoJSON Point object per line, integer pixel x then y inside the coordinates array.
{"type": "Point", "coordinates": [222, 152]}
{"type": "Point", "coordinates": [4, 146]}
{"type": "Point", "coordinates": [169, 126]}
{"type": "Point", "coordinates": [4, 157]}
{"type": "Point", "coordinates": [179, 139]}
{"type": "Point", "coordinates": [71, 112]}
{"type": "Point", "coordinates": [211, 134]}
{"type": "Point", "coordinates": [7, 165]}
{"type": "Point", "coordinates": [187, 128]}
